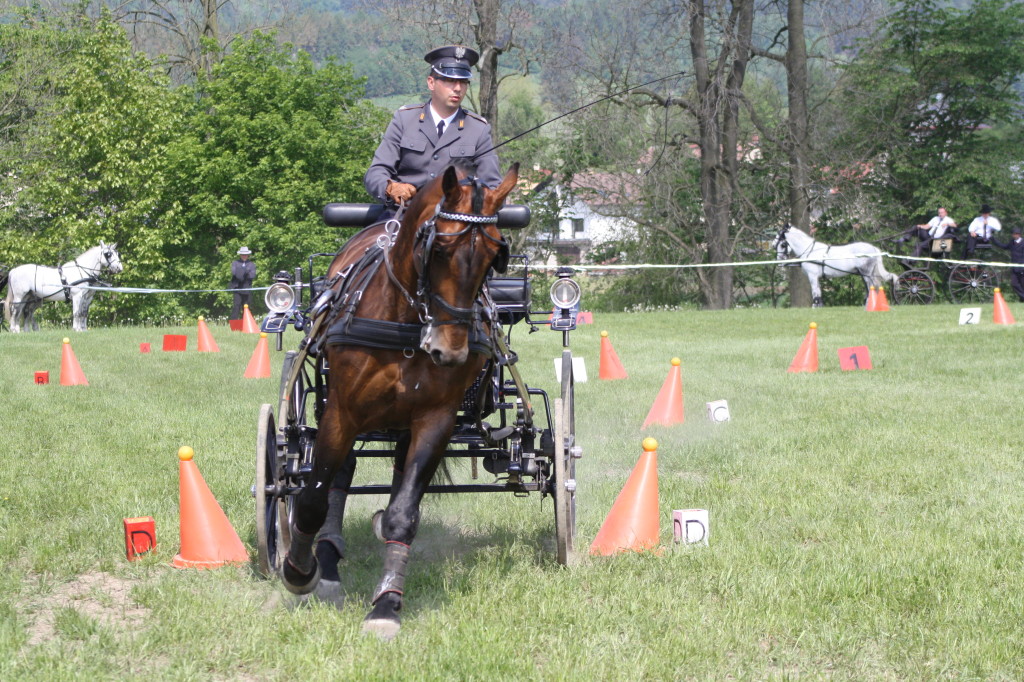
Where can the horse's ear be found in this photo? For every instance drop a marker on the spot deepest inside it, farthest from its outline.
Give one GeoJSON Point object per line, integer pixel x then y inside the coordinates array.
{"type": "Point", "coordinates": [114, 246]}
{"type": "Point", "coordinates": [508, 183]}
{"type": "Point", "coordinates": [450, 185]}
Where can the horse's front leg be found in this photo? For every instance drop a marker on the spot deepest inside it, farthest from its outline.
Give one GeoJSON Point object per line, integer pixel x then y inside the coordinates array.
{"type": "Point", "coordinates": [816, 300]}
{"type": "Point", "coordinates": [401, 520]}
{"type": "Point", "coordinates": [300, 571]}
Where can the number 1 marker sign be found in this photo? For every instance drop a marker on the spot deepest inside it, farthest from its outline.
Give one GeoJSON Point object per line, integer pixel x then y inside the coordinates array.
{"type": "Point", "coordinates": [854, 357]}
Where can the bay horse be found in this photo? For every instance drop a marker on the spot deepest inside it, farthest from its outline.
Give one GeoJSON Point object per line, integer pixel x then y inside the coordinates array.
{"type": "Point", "coordinates": [28, 286]}
{"type": "Point", "coordinates": [434, 265]}
{"type": "Point", "coordinates": [857, 258]}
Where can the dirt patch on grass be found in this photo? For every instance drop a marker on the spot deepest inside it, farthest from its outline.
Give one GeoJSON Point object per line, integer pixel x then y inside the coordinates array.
{"type": "Point", "coordinates": [101, 597]}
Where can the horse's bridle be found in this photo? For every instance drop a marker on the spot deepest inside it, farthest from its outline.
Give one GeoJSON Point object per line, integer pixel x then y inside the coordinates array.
{"type": "Point", "coordinates": [424, 242]}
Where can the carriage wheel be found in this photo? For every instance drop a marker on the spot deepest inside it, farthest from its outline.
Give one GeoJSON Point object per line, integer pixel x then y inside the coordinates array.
{"type": "Point", "coordinates": [566, 452]}
{"type": "Point", "coordinates": [972, 283]}
{"type": "Point", "coordinates": [272, 532]}
{"type": "Point", "coordinates": [914, 286]}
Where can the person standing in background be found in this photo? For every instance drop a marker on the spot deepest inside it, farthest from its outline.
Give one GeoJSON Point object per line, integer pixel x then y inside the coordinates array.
{"type": "Point", "coordinates": [243, 272]}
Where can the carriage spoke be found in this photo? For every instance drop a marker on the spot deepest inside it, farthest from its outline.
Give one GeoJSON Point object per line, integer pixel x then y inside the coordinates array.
{"type": "Point", "coordinates": [914, 287]}
{"type": "Point", "coordinates": [972, 283]}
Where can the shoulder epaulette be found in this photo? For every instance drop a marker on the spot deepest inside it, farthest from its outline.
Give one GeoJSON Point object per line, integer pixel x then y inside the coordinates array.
{"type": "Point", "coordinates": [411, 106]}
{"type": "Point", "coordinates": [475, 115]}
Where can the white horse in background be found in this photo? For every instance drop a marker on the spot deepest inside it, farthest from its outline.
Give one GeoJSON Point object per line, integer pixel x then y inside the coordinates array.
{"type": "Point", "coordinates": [29, 285]}
{"type": "Point", "coordinates": [858, 258]}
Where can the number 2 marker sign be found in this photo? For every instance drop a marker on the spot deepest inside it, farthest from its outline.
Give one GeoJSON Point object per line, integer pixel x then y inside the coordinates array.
{"type": "Point", "coordinates": [970, 315]}
{"type": "Point", "coordinates": [854, 357]}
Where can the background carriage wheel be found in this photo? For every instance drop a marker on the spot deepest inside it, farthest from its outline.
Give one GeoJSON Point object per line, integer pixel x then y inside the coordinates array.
{"type": "Point", "coordinates": [972, 283]}
{"type": "Point", "coordinates": [914, 286]}
{"type": "Point", "coordinates": [564, 488]}
{"type": "Point", "coordinates": [272, 533]}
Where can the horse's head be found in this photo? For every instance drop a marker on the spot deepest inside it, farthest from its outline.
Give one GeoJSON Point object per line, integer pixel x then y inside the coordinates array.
{"type": "Point", "coordinates": [454, 250]}
{"type": "Point", "coordinates": [780, 244]}
{"type": "Point", "coordinates": [110, 258]}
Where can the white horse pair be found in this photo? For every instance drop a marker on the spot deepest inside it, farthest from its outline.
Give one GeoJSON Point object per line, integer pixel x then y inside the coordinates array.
{"type": "Point", "coordinates": [858, 258]}
{"type": "Point", "coordinates": [29, 285]}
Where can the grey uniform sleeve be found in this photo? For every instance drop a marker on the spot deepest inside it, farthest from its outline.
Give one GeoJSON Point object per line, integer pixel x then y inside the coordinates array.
{"type": "Point", "coordinates": [487, 160]}
{"type": "Point", "coordinates": [384, 166]}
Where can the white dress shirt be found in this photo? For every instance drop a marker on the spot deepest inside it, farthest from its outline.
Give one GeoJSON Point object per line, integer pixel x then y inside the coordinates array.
{"type": "Point", "coordinates": [937, 226]}
{"type": "Point", "coordinates": [984, 227]}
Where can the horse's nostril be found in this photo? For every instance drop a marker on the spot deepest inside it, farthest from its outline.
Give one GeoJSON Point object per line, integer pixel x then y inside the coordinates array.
{"type": "Point", "coordinates": [437, 356]}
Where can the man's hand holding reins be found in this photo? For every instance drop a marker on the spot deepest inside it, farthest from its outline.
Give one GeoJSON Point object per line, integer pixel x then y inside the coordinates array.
{"type": "Point", "coordinates": [399, 191]}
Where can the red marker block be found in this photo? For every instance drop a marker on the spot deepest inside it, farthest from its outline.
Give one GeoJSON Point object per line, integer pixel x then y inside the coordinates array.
{"type": "Point", "coordinates": [175, 342]}
{"type": "Point", "coordinates": [854, 357]}
{"type": "Point", "coordinates": [42, 377]}
{"type": "Point", "coordinates": [139, 536]}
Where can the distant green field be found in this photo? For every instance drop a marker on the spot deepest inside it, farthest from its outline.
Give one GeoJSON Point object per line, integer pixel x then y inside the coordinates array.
{"type": "Point", "coordinates": [864, 524]}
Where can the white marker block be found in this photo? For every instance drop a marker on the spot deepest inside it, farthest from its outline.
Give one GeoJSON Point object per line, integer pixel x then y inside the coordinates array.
{"type": "Point", "coordinates": [970, 315]}
{"type": "Point", "coordinates": [691, 526]}
{"type": "Point", "coordinates": [718, 410]}
{"type": "Point", "coordinates": [579, 370]}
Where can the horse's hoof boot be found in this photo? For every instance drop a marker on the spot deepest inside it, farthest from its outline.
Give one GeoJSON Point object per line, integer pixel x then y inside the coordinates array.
{"type": "Point", "coordinates": [384, 628]}
{"type": "Point", "coordinates": [299, 583]}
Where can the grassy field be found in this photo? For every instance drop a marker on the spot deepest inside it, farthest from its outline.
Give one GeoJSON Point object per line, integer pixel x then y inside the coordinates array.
{"type": "Point", "coordinates": [864, 525]}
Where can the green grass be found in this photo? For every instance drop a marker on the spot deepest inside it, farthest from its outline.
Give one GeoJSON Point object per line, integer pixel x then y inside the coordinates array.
{"type": "Point", "coordinates": [864, 524]}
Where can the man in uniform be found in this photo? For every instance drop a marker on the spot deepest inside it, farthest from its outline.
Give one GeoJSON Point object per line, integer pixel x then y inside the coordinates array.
{"type": "Point", "coordinates": [424, 139]}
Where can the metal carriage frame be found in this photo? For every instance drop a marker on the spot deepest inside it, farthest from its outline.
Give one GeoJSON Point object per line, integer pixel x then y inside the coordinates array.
{"type": "Point", "coordinates": [531, 449]}
{"type": "Point", "coordinates": [971, 282]}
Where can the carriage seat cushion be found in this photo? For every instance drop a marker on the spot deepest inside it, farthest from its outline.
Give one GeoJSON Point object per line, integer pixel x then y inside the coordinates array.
{"type": "Point", "coordinates": [511, 296]}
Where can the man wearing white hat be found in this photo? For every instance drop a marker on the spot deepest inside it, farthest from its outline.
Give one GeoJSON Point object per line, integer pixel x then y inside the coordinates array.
{"type": "Point", "coordinates": [243, 272]}
{"type": "Point", "coordinates": [424, 139]}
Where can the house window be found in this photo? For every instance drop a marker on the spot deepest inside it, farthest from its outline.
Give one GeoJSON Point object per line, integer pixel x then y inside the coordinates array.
{"type": "Point", "coordinates": [577, 228]}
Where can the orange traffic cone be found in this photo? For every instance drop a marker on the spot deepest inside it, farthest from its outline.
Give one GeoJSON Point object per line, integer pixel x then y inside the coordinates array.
{"type": "Point", "coordinates": [1000, 313]}
{"type": "Point", "coordinates": [71, 373]}
{"type": "Point", "coordinates": [806, 359]}
{"type": "Point", "coordinates": [259, 363]}
{"type": "Point", "coordinates": [207, 538]}
{"type": "Point", "coordinates": [206, 342]}
{"type": "Point", "coordinates": [632, 523]}
{"type": "Point", "coordinates": [881, 300]}
{"type": "Point", "coordinates": [610, 367]}
{"type": "Point", "coordinates": [668, 406]}
{"type": "Point", "coordinates": [249, 325]}
{"type": "Point", "coordinates": [872, 304]}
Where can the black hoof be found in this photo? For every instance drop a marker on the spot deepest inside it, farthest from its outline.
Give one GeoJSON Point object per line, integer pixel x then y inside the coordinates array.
{"type": "Point", "coordinates": [327, 557]}
{"type": "Point", "coordinates": [297, 582]}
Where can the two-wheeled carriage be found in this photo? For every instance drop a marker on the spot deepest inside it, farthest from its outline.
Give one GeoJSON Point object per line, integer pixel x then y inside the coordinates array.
{"type": "Point", "coordinates": [525, 441]}
{"type": "Point", "coordinates": [965, 282]}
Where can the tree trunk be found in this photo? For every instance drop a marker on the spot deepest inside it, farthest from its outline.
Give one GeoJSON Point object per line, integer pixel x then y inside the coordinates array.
{"type": "Point", "coordinates": [718, 124]}
{"type": "Point", "coordinates": [486, 31]}
{"type": "Point", "coordinates": [798, 147]}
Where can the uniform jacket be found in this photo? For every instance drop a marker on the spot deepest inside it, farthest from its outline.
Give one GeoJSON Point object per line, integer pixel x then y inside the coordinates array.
{"type": "Point", "coordinates": [410, 151]}
{"type": "Point", "coordinates": [242, 274]}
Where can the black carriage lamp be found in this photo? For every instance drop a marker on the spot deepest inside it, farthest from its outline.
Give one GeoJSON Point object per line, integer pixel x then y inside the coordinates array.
{"type": "Point", "coordinates": [565, 295]}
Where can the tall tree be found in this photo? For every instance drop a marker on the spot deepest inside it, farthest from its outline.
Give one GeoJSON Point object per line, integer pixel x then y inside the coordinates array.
{"type": "Point", "coordinates": [934, 102]}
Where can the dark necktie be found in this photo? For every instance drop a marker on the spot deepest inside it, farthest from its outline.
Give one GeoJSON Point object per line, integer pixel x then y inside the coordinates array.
{"type": "Point", "coordinates": [440, 129]}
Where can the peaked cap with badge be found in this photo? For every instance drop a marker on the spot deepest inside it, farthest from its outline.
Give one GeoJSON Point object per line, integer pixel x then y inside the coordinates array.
{"type": "Point", "coordinates": [452, 61]}
{"type": "Point", "coordinates": [411, 151]}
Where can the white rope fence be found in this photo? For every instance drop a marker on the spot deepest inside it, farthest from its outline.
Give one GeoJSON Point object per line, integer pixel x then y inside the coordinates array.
{"type": "Point", "coordinates": [614, 268]}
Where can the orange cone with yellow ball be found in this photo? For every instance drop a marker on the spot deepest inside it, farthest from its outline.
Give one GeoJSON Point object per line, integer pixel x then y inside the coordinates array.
{"type": "Point", "coordinates": [259, 363]}
{"type": "Point", "coordinates": [206, 343]}
{"type": "Point", "coordinates": [610, 366]}
{"type": "Point", "coordinates": [632, 523]}
{"type": "Point", "coordinates": [1001, 312]}
{"type": "Point", "coordinates": [71, 373]}
{"type": "Point", "coordinates": [881, 300]}
{"type": "Point", "coordinates": [806, 359]}
{"type": "Point", "coordinates": [668, 406]}
{"type": "Point", "coordinates": [249, 325]}
{"type": "Point", "coordinates": [208, 539]}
